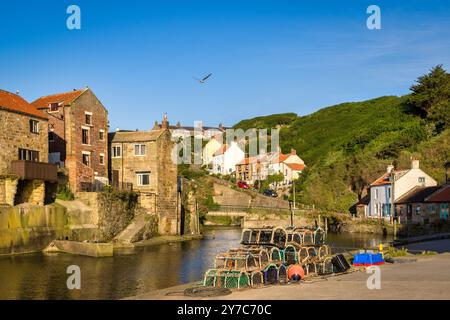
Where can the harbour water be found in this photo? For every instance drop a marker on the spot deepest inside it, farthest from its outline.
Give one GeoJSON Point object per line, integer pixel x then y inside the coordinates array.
{"type": "Point", "coordinates": [131, 271]}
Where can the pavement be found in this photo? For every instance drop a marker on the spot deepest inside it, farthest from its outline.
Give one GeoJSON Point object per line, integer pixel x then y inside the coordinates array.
{"type": "Point", "coordinates": [422, 278]}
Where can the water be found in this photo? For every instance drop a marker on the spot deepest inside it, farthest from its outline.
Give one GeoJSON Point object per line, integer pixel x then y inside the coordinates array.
{"type": "Point", "coordinates": [131, 271]}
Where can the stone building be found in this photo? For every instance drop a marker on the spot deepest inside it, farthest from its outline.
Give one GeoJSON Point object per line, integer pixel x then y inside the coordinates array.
{"type": "Point", "coordinates": [24, 168]}
{"type": "Point", "coordinates": [77, 138]}
{"type": "Point", "coordinates": [142, 161]}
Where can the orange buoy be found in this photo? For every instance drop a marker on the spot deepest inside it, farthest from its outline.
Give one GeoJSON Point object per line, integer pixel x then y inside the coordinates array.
{"type": "Point", "coordinates": [296, 272]}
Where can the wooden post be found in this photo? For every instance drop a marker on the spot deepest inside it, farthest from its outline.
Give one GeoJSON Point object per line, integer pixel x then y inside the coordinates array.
{"type": "Point", "coordinates": [326, 225]}
{"type": "Point", "coordinates": [395, 228]}
{"type": "Point", "coordinates": [319, 221]}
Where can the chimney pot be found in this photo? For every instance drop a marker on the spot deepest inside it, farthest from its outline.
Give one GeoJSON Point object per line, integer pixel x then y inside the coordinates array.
{"type": "Point", "coordinates": [390, 168]}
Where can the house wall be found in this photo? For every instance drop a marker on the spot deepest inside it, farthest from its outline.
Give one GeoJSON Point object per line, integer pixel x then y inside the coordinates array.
{"type": "Point", "coordinates": [410, 180]}
{"type": "Point", "coordinates": [420, 212]}
{"type": "Point", "coordinates": [75, 121]}
{"type": "Point", "coordinates": [15, 133]}
{"type": "Point", "coordinates": [209, 149]}
{"type": "Point", "coordinates": [232, 156]}
{"type": "Point", "coordinates": [383, 198]}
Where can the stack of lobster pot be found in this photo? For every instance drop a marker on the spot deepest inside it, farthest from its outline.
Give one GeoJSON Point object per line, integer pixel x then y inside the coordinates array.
{"type": "Point", "coordinates": [266, 254]}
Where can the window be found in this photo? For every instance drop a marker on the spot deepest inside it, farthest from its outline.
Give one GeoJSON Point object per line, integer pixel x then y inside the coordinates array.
{"type": "Point", "coordinates": [102, 159]}
{"type": "Point", "coordinates": [85, 136]}
{"type": "Point", "coordinates": [53, 107]}
{"type": "Point", "coordinates": [389, 192]}
{"type": "Point", "coordinates": [143, 178]}
{"type": "Point", "coordinates": [88, 118]}
{"type": "Point", "coordinates": [34, 126]}
{"type": "Point", "coordinates": [417, 209]}
{"type": "Point", "coordinates": [421, 179]}
{"type": "Point", "coordinates": [101, 135]}
{"type": "Point", "coordinates": [376, 193]}
{"type": "Point", "coordinates": [28, 155]}
{"type": "Point", "coordinates": [51, 136]}
{"type": "Point", "coordinates": [116, 151]}
{"type": "Point", "coordinates": [139, 150]}
{"type": "Point", "coordinates": [86, 159]}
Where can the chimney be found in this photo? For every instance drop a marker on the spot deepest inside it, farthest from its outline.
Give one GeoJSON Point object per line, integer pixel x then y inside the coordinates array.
{"type": "Point", "coordinates": [165, 122]}
{"type": "Point", "coordinates": [178, 124]}
{"type": "Point", "coordinates": [117, 129]}
{"type": "Point", "coordinates": [414, 164]}
{"type": "Point", "coordinates": [390, 168]}
{"type": "Point", "coordinates": [293, 151]}
{"type": "Point", "coordinates": [221, 126]}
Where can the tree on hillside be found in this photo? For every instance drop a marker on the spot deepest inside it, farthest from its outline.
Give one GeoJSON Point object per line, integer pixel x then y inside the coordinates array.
{"type": "Point", "coordinates": [430, 97]}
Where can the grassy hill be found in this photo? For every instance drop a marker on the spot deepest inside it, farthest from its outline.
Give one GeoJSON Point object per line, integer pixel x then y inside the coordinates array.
{"type": "Point", "coordinates": [347, 146]}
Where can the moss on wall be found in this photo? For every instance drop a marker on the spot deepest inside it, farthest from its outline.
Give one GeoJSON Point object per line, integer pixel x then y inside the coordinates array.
{"type": "Point", "coordinates": [116, 210]}
{"type": "Point", "coordinates": [31, 229]}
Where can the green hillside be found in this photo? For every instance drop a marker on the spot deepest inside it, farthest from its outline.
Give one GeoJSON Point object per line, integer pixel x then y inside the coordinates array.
{"type": "Point", "coordinates": [347, 146]}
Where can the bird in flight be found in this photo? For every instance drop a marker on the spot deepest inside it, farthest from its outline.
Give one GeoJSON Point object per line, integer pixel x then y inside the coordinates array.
{"type": "Point", "coordinates": [203, 80]}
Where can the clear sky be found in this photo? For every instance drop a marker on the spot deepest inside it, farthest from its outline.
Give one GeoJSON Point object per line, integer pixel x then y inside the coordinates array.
{"type": "Point", "coordinates": [266, 57]}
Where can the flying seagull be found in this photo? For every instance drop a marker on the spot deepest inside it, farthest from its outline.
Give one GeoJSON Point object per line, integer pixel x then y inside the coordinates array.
{"type": "Point", "coordinates": [204, 79]}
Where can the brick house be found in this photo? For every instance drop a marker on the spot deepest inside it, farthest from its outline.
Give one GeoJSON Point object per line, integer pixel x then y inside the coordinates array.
{"type": "Point", "coordinates": [142, 161]}
{"type": "Point", "coordinates": [77, 138]}
{"type": "Point", "coordinates": [424, 205]}
{"type": "Point", "coordinates": [24, 168]}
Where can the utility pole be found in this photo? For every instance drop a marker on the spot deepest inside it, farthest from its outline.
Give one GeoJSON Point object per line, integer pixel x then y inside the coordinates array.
{"type": "Point", "coordinates": [392, 211]}
{"type": "Point", "coordinates": [293, 193]}
{"type": "Point", "coordinates": [292, 213]}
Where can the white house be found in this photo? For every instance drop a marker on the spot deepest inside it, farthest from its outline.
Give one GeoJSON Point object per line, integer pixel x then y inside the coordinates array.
{"type": "Point", "coordinates": [397, 181]}
{"type": "Point", "coordinates": [225, 159]}
{"type": "Point", "coordinates": [290, 165]}
{"type": "Point", "coordinates": [213, 145]}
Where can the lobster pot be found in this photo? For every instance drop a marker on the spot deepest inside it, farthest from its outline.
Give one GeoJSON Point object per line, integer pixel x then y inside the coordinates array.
{"type": "Point", "coordinates": [282, 274]}
{"type": "Point", "coordinates": [256, 279]}
{"type": "Point", "coordinates": [270, 274]}
{"type": "Point", "coordinates": [312, 253]}
{"type": "Point", "coordinates": [323, 251]}
{"type": "Point", "coordinates": [260, 255]}
{"type": "Point", "coordinates": [308, 237]}
{"type": "Point", "coordinates": [325, 267]}
{"type": "Point", "coordinates": [290, 255]}
{"type": "Point", "coordinates": [312, 268]}
{"type": "Point", "coordinates": [279, 237]}
{"type": "Point", "coordinates": [276, 255]}
{"type": "Point", "coordinates": [232, 279]}
{"type": "Point", "coordinates": [295, 237]}
{"type": "Point", "coordinates": [235, 261]}
{"type": "Point", "coordinates": [303, 254]}
{"type": "Point", "coordinates": [319, 236]}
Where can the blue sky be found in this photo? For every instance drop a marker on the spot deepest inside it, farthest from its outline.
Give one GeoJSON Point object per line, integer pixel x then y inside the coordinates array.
{"type": "Point", "coordinates": [266, 57]}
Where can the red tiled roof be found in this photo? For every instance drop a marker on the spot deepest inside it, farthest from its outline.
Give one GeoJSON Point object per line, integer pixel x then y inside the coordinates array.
{"type": "Point", "coordinates": [384, 179]}
{"type": "Point", "coordinates": [280, 158]}
{"type": "Point", "coordinates": [441, 195]}
{"type": "Point", "coordinates": [14, 102]}
{"type": "Point", "coordinates": [296, 166]}
{"type": "Point", "coordinates": [61, 98]}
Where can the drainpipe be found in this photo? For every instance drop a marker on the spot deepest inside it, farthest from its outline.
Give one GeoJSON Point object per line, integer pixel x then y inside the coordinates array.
{"type": "Point", "coordinates": [392, 196]}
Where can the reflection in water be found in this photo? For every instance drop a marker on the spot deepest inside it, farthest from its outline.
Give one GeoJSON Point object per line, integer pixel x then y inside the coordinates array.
{"type": "Point", "coordinates": [131, 271]}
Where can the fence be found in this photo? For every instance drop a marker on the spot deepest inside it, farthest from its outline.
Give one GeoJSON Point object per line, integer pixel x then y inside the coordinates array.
{"type": "Point", "coordinates": [249, 209]}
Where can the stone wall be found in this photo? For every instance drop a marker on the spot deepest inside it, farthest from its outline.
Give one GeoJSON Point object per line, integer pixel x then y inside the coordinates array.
{"type": "Point", "coordinates": [167, 202]}
{"type": "Point", "coordinates": [31, 228]}
{"type": "Point", "coordinates": [15, 133]}
{"type": "Point", "coordinates": [226, 196]}
{"type": "Point", "coordinates": [8, 188]}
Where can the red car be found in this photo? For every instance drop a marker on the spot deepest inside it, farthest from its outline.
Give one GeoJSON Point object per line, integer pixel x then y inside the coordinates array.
{"type": "Point", "coordinates": [243, 185]}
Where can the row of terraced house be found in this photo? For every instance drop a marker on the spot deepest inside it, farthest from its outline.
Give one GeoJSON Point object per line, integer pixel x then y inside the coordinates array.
{"type": "Point", "coordinates": [61, 140]}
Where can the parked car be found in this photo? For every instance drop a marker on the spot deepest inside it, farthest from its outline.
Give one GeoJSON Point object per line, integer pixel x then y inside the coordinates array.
{"type": "Point", "coordinates": [243, 185]}
{"type": "Point", "coordinates": [270, 193]}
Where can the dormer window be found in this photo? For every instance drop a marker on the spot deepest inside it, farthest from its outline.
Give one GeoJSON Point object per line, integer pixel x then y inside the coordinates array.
{"type": "Point", "coordinates": [54, 107]}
